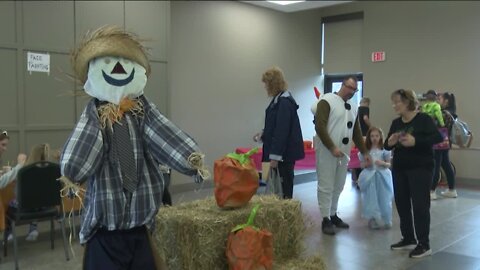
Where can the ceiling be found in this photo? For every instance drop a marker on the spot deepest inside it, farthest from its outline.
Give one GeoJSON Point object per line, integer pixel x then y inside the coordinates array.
{"type": "Point", "coordinates": [296, 7]}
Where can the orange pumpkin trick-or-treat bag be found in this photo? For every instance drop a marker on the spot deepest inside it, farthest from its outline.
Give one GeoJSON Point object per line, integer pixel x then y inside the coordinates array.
{"type": "Point", "coordinates": [249, 248]}
{"type": "Point", "coordinates": [236, 179]}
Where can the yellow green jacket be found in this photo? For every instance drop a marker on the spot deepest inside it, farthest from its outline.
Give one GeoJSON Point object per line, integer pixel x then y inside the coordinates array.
{"type": "Point", "coordinates": [433, 109]}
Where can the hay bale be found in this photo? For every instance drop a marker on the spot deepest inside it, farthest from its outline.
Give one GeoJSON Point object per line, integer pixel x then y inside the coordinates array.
{"type": "Point", "coordinates": [194, 235]}
{"type": "Point", "coordinates": [313, 263]}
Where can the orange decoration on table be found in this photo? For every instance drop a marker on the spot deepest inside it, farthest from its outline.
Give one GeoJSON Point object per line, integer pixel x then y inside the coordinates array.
{"type": "Point", "coordinates": [236, 179]}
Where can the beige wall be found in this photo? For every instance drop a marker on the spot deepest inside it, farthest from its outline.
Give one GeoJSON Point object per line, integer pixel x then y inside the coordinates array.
{"type": "Point", "coordinates": [214, 54]}
{"type": "Point", "coordinates": [428, 45]}
{"type": "Point", "coordinates": [219, 50]}
{"type": "Point", "coordinates": [39, 107]}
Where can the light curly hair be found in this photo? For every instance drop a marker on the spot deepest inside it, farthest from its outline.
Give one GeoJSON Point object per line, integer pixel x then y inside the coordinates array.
{"type": "Point", "coordinates": [408, 97]}
{"type": "Point", "coordinates": [274, 81]}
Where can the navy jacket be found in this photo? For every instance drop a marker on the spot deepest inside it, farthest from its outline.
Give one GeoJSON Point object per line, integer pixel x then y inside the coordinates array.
{"type": "Point", "coordinates": [282, 136]}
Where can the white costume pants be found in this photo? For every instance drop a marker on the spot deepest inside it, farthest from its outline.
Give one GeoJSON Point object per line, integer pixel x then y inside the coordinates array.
{"type": "Point", "coordinates": [331, 176]}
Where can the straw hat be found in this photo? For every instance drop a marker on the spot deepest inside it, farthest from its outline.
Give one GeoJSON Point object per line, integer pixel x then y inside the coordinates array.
{"type": "Point", "coordinates": [107, 41]}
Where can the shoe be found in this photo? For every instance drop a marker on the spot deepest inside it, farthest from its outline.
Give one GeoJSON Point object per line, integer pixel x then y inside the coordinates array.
{"type": "Point", "coordinates": [433, 195]}
{"type": "Point", "coordinates": [10, 237]}
{"type": "Point", "coordinates": [404, 244]}
{"type": "Point", "coordinates": [451, 193]}
{"type": "Point", "coordinates": [420, 251]}
{"type": "Point", "coordinates": [372, 224]}
{"type": "Point", "coordinates": [327, 227]}
{"type": "Point", "coordinates": [338, 222]}
{"type": "Point", "coordinates": [32, 236]}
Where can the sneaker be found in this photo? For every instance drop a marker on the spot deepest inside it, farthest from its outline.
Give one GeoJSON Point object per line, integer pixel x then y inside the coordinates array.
{"type": "Point", "coordinates": [404, 244]}
{"type": "Point", "coordinates": [420, 251]}
{"type": "Point", "coordinates": [372, 224]}
{"type": "Point", "coordinates": [327, 227]}
{"type": "Point", "coordinates": [433, 195]}
{"type": "Point", "coordinates": [338, 222]}
{"type": "Point", "coordinates": [451, 193]}
{"type": "Point", "coordinates": [32, 236]}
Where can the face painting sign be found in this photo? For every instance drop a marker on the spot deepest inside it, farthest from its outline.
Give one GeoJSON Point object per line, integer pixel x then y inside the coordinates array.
{"type": "Point", "coordinates": [112, 79]}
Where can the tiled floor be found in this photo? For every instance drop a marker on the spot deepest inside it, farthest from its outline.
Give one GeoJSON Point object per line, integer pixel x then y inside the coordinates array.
{"type": "Point", "coordinates": [455, 236]}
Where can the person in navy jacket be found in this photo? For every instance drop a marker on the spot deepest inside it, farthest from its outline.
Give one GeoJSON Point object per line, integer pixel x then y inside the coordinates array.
{"type": "Point", "coordinates": [282, 135]}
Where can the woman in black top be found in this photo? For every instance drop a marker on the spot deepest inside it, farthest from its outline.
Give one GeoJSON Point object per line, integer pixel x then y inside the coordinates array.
{"type": "Point", "coordinates": [411, 137]}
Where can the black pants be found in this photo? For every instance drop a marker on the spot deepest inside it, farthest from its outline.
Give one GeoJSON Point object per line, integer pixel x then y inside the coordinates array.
{"type": "Point", "coordinates": [119, 250]}
{"type": "Point", "coordinates": [442, 160]}
{"type": "Point", "coordinates": [286, 170]}
{"type": "Point", "coordinates": [166, 198]}
{"type": "Point", "coordinates": [412, 190]}
{"type": "Point", "coordinates": [357, 172]}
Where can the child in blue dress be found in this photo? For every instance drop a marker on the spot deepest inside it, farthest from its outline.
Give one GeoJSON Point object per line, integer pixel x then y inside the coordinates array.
{"type": "Point", "coordinates": [376, 183]}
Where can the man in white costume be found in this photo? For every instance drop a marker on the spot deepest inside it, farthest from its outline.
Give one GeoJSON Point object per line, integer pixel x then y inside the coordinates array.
{"type": "Point", "coordinates": [336, 124]}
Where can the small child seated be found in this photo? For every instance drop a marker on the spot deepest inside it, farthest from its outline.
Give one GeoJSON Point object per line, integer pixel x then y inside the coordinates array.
{"type": "Point", "coordinates": [432, 108]}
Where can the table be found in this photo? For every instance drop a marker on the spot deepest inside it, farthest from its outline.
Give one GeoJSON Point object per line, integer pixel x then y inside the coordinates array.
{"type": "Point", "coordinates": [308, 163]}
{"type": "Point", "coordinates": [354, 162]}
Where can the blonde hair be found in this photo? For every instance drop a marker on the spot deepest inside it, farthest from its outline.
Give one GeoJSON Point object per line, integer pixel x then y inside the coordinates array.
{"type": "Point", "coordinates": [56, 155]}
{"type": "Point", "coordinates": [365, 100]}
{"type": "Point", "coordinates": [39, 152]}
{"type": "Point", "coordinates": [408, 97]}
{"type": "Point", "coordinates": [274, 81]}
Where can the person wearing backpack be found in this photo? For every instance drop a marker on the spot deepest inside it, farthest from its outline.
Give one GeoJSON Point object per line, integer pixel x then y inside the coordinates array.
{"type": "Point", "coordinates": [442, 160]}
{"type": "Point", "coordinates": [432, 108]}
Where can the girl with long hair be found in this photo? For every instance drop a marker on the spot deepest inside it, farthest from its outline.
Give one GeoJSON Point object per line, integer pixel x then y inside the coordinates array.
{"type": "Point", "coordinates": [375, 182]}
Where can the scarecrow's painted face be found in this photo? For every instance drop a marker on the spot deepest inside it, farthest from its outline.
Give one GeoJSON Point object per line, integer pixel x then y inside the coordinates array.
{"type": "Point", "coordinates": [114, 78]}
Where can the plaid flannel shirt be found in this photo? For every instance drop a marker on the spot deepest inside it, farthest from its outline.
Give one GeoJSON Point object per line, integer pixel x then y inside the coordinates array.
{"type": "Point", "coordinates": [87, 157]}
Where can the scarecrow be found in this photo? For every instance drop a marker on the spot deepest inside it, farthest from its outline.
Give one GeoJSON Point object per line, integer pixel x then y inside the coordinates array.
{"type": "Point", "coordinates": [116, 147]}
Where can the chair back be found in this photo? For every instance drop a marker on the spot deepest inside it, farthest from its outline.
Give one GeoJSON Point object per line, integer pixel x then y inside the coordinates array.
{"type": "Point", "coordinates": [37, 185]}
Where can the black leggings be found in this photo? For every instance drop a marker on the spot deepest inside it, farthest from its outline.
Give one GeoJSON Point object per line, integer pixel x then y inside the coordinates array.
{"type": "Point", "coordinates": [442, 160]}
{"type": "Point", "coordinates": [411, 188]}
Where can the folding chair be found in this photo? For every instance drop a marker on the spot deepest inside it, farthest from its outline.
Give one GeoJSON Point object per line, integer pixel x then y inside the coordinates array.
{"type": "Point", "coordinates": [38, 198]}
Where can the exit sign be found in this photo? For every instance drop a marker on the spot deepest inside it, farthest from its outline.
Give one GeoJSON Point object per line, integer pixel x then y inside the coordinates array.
{"type": "Point", "coordinates": [378, 56]}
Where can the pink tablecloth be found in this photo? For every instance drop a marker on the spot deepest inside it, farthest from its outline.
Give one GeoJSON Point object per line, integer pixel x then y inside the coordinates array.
{"type": "Point", "coordinates": [308, 163]}
{"type": "Point", "coordinates": [354, 161]}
